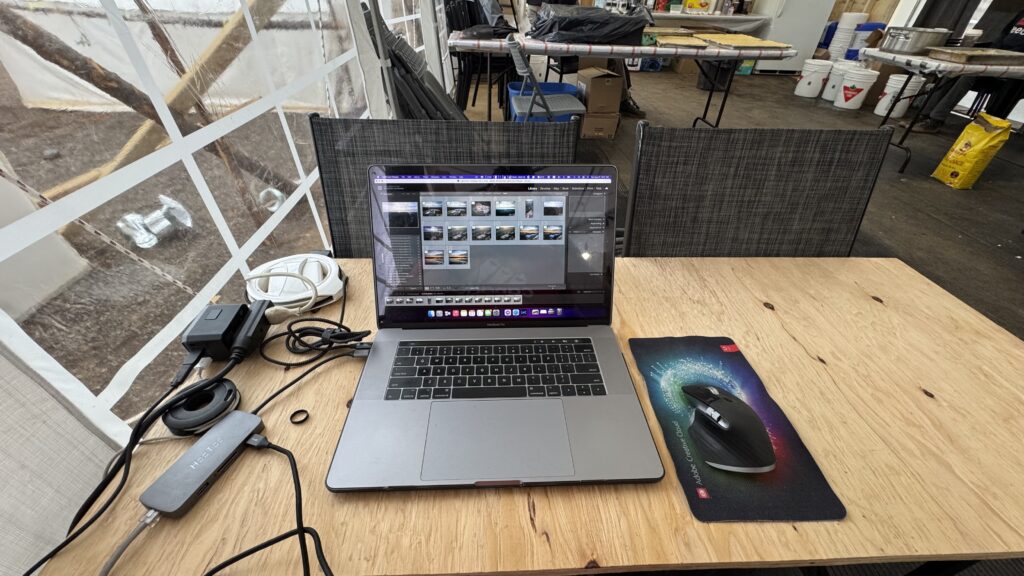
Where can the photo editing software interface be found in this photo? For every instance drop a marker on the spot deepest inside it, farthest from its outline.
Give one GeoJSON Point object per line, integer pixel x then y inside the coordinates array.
{"type": "Point", "coordinates": [493, 247]}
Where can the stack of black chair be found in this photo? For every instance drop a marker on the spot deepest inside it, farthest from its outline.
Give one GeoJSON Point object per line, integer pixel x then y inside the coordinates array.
{"type": "Point", "coordinates": [417, 93]}
{"type": "Point", "coordinates": [461, 15]}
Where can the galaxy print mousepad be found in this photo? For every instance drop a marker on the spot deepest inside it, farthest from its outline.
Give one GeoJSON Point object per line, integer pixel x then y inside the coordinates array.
{"type": "Point", "coordinates": [727, 478]}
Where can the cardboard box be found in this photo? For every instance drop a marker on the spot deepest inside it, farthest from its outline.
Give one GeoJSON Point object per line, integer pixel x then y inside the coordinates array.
{"type": "Point", "coordinates": [592, 62]}
{"type": "Point", "coordinates": [599, 89]}
{"type": "Point", "coordinates": [685, 66]}
{"type": "Point", "coordinates": [875, 38]}
{"type": "Point", "coordinates": [599, 126]}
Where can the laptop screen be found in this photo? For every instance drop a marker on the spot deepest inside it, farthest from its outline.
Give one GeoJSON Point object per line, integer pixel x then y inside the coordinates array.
{"type": "Point", "coordinates": [475, 245]}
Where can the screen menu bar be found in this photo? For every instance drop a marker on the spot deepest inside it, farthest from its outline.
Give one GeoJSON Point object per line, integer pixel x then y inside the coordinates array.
{"type": "Point", "coordinates": [452, 300]}
{"type": "Point", "coordinates": [493, 179]}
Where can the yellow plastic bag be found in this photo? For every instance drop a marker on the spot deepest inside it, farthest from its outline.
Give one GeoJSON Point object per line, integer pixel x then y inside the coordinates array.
{"type": "Point", "coordinates": [973, 150]}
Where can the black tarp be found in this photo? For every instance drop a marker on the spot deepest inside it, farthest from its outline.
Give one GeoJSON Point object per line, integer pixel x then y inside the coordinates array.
{"type": "Point", "coordinates": [589, 25]}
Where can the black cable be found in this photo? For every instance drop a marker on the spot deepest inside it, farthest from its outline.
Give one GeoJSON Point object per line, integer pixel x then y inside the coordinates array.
{"type": "Point", "coordinates": [312, 533]}
{"type": "Point", "coordinates": [344, 301]}
{"type": "Point", "coordinates": [123, 463]}
{"type": "Point", "coordinates": [304, 336]}
{"type": "Point", "coordinates": [318, 548]}
{"type": "Point", "coordinates": [296, 380]}
{"type": "Point", "coordinates": [304, 552]}
{"type": "Point", "coordinates": [91, 499]}
{"type": "Point", "coordinates": [259, 441]}
{"type": "Point", "coordinates": [142, 426]}
{"type": "Point", "coordinates": [298, 340]}
{"type": "Point", "coordinates": [250, 551]}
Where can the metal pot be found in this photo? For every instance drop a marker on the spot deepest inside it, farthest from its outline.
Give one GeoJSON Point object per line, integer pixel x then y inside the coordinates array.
{"type": "Point", "coordinates": [912, 40]}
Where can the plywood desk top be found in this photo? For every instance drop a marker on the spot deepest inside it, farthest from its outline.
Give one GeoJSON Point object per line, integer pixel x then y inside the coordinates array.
{"type": "Point", "coordinates": [910, 401]}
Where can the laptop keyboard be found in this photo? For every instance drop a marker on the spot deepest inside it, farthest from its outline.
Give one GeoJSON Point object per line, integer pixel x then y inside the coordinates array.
{"type": "Point", "coordinates": [470, 369]}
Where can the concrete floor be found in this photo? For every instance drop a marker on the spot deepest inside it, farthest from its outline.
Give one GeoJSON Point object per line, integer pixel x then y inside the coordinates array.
{"type": "Point", "coordinates": [970, 242]}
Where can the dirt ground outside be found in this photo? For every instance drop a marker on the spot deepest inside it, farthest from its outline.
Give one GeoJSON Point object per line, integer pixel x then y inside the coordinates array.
{"type": "Point", "coordinates": [102, 318]}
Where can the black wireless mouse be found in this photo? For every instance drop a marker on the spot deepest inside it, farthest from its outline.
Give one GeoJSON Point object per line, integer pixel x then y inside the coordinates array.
{"type": "Point", "coordinates": [727, 432]}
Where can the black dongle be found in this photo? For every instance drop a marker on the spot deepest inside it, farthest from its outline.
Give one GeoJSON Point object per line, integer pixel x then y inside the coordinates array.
{"type": "Point", "coordinates": [214, 330]}
{"type": "Point", "coordinates": [178, 488]}
{"type": "Point", "coordinates": [253, 329]}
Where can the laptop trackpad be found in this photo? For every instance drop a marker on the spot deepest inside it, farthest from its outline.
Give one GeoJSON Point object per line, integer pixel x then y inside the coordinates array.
{"type": "Point", "coordinates": [496, 440]}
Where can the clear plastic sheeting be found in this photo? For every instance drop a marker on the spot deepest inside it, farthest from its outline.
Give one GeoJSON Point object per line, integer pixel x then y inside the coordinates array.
{"type": "Point", "coordinates": [263, 144]}
{"type": "Point", "coordinates": [403, 18]}
{"type": "Point", "coordinates": [87, 168]}
{"type": "Point", "coordinates": [291, 47]}
{"type": "Point", "coordinates": [492, 11]}
{"type": "Point", "coordinates": [122, 294]}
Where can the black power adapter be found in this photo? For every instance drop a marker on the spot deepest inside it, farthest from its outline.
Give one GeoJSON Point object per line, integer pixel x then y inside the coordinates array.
{"type": "Point", "coordinates": [213, 331]}
{"type": "Point", "coordinates": [223, 330]}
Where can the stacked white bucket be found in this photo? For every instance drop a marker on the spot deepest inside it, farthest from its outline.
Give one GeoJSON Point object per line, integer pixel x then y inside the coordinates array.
{"type": "Point", "coordinates": [813, 78]}
{"type": "Point", "coordinates": [835, 78]}
{"type": "Point", "coordinates": [844, 35]}
{"type": "Point", "coordinates": [892, 88]}
{"type": "Point", "coordinates": [853, 91]}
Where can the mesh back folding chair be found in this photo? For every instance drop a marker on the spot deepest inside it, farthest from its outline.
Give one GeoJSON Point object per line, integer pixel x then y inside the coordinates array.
{"type": "Point", "coordinates": [751, 192]}
{"type": "Point", "coordinates": [346, 148]}
{"type": "Point", "coordinates": [551, 105]}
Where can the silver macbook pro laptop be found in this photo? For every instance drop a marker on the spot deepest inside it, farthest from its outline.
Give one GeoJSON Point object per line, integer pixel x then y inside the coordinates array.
{"type": "Point", "coordinates": [495, 363]}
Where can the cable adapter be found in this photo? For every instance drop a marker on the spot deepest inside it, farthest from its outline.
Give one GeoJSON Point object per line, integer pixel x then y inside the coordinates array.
{"type": "Point", "coordinates": [177, 490]}
{"type": "Point", "coordinates": [223, 331]}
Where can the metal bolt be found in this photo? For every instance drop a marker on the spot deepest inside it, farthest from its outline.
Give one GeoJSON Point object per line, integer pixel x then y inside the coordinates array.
{"type": "Point", "coordinates": [146, 230]}
{"type": "Point", "coordinates": [133, 226]}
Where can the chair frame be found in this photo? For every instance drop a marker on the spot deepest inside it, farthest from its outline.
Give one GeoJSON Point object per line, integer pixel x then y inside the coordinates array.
{"type": "Point", "coordinates": [556, 63]}
{"type": "Point", "coordinates": [522, 62]}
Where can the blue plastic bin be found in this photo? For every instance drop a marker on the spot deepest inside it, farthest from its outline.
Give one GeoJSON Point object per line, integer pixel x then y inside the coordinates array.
{"type": "Point", "coordinates": [546, 88]}
{"type": "Point", "coordinates": [826, 36]}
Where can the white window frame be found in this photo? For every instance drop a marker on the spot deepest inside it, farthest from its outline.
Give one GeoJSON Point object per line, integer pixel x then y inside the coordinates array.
{"type": "Point", "coordinates": [96, 409]}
